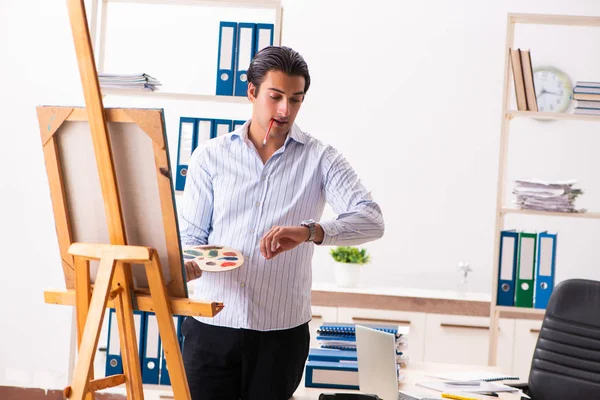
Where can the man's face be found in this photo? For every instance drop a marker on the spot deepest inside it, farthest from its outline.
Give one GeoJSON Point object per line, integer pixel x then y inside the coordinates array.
{"type": "Point", "coordinates": [279, 98]}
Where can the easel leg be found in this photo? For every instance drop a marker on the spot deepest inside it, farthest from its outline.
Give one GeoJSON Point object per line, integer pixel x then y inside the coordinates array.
{"type": "Point", "coordinates": [127, 334]}
{"type": "Point", "coordinates": [91, 331]}
{"type": "Point", "coordinates": [164, 316]}
{"type": "Point", "coordinates": [83, 292]}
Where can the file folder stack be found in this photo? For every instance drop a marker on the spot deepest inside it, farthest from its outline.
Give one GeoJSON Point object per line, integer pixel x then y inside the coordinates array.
{"type": "Point", "coordinates": [540, 195]}
{"type": "Point", "coordinates": [526, 271]}
{"type": "Point", "coordinates": [142, 82]}
{"type": "Point", "coordinates": [335, 363]}
{"type": "Point", "coordinates": [192, 133]}
{"type": "Point", "coordinates": [152, 359]}
{"type": "Point", "coordinates": [238, 44]}
{"type": "Point", "coordinates": [587, 95]}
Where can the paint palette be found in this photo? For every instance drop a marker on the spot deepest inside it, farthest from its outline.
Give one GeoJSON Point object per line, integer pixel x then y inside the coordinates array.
{"type": "Point", "coordinates": [213, 258]}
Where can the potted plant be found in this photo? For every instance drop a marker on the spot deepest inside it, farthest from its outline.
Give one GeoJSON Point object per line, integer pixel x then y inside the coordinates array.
{"type": "Point", "coordinates": [348, 261]}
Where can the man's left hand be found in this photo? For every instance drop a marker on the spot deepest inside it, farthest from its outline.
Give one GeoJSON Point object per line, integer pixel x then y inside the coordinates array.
{"type": "Point", "coordinates": [282, 238]}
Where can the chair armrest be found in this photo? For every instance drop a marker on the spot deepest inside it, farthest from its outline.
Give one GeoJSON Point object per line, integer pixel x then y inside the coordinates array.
{"type": "Point", "coordinates": [524, 387]}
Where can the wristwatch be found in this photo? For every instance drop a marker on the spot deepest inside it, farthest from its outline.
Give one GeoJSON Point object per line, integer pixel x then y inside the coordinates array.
{"type": "Point", "coordinates": [310, 224]}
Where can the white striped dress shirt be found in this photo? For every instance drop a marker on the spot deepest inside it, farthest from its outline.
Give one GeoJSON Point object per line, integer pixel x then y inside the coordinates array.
{"type": "Point", "coordinates": [232, 199]}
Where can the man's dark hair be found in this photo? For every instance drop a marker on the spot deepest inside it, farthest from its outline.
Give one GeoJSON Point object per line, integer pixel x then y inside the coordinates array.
{"type": "Point", "coordinates": [277, 58]}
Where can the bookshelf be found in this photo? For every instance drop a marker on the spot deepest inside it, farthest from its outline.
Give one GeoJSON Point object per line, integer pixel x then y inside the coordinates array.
{"type": "Point", "coordinates": [497, 312]}
{"type": "Point", "coordinates": [99, 21]}
{"type": "Point", "coordinates": [175, 96]}
{"type": "Point", "coordinates": [551, 116]}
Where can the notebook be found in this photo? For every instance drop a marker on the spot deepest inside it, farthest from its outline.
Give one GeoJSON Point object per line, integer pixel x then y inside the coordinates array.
{"type": "Point", "coordinates": [348, 329]}
{"type": "Point", "coordinates": [482, 376]}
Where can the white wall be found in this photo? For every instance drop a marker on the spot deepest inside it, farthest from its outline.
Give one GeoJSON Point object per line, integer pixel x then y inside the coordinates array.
{"type": "Point", "coordinates": [410, 92]}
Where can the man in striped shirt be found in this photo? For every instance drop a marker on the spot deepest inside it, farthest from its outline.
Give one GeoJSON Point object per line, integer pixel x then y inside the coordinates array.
{"type": "Point", "coordinates": [263, 200]}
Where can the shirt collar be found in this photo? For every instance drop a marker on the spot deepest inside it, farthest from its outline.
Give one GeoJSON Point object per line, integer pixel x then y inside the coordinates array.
{"type": "Point", "coordinates": [295, 133]}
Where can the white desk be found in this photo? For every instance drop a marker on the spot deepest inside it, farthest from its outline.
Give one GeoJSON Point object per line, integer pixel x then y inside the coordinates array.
{"type": "Point", "coordinates": [415, 372]}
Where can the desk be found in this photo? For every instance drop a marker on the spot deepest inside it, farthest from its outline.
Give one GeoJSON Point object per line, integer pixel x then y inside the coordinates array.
{"type": "Point", "coordinates": [415, 372]}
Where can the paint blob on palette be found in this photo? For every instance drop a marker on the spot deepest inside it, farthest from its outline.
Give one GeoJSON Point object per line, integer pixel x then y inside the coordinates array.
{"type": "Point", "coordinates": [213, 258]}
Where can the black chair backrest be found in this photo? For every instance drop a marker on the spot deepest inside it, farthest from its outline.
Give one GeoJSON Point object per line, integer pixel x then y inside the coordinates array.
{"type": "Point", "coordinates": [566, 360]}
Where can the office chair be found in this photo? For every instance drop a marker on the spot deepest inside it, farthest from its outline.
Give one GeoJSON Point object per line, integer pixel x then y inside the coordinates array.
{"type": "Point", "coordinates": [566, 360]}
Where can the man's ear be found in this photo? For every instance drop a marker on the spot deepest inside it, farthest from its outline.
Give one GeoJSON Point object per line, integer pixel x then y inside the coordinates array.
{"type": "Point", "coordinates": [251, 91]}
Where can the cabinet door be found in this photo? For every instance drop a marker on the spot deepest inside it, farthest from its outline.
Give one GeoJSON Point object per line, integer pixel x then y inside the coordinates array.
{"type": "Point", "coordinates": [416, 321]}
{"type": "Point", "coordinates": [526, 336]}
{"type": "Point", "coordinates": [459, 339]}
{"type": "Point", "coordinates": [320, 314]}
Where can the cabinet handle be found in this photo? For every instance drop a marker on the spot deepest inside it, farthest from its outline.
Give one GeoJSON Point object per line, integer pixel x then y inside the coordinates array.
{"type": "Point", "coordinates": [392, 321]}
{"type": "Point", "coordinates": [317, 316]}
{"type": "Point", "coordinates": [534, 330]}
{"type": "Point", "coordinates": [444, 325]}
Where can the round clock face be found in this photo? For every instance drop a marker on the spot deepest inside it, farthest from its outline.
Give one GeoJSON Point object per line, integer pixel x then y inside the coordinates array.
{"type": "Point", "coordinates": [552, 88]}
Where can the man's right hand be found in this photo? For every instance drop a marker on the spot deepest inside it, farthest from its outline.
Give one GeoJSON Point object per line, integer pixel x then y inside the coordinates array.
{"type": "Point", "coordinates": [192, 270]}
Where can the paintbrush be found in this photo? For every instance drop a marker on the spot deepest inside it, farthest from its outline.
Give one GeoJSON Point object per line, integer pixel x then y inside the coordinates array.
{"type": "Point", "coordinates": [268, 130]}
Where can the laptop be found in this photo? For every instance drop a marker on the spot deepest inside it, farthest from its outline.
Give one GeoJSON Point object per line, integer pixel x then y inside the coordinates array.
{"type": "Point", "coordinates": [377, 370]}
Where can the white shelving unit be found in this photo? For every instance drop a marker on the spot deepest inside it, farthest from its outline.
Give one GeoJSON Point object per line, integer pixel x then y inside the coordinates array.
{"type": "Point", "coordinates": [497, 312]}
{"type": "Point", "coordinates": [175, 96]}
{"type": "Point", "coordinates": [99, 17]}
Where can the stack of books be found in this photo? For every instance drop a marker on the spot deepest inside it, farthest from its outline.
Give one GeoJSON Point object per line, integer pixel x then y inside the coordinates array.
{"type": "Point", "coordinates": [540, 195]}
{"type": "Point", "coordinates": [522, 69]}
{"type": "Point", "coordinates": [335, 364]}
{"type": "Point", "coordinates": [143, 82]}
{"type": "Point", "coordinates": [587, 95]}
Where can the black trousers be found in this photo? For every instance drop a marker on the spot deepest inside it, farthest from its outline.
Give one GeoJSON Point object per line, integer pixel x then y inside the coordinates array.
{"type": "Point", "coordinates": [231, 364]}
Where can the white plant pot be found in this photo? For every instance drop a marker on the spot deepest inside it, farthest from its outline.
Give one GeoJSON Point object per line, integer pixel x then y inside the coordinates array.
{"type": "Point", "coordinates": [347, 274]}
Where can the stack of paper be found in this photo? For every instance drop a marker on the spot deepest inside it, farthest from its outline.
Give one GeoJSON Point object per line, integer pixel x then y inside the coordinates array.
{"type": "Point", "coordinates": [467, 387]}
{"type": "Point", "coordinates": [128, 81]}
{"type": "Point", "coordinates": [547, 196]}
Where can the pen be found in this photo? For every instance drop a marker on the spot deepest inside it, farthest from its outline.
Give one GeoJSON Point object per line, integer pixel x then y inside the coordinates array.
{"type": "Point", "coordinates": [457, 397]}
{"type": "Point", "coordinates": [267, 134]}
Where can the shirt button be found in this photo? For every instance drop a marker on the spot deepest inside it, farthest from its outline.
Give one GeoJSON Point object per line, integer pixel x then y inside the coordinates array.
{"type": "Point", "coordinates": [252, 230]}
{"type": "Point", "coordinates": [264, 178]}
{"type": "Point", "coordinates": [258, 204]}
{"type": "Point", "coordinates": [243, 284]}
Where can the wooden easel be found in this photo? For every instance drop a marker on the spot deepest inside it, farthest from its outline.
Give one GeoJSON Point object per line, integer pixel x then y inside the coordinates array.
{"type": "Point", "coordinates": [113, 286]}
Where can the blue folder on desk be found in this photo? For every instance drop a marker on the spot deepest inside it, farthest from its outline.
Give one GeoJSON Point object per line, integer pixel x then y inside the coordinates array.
{"type": "Point", "coordinates": [546, 265]}
{"type": "Point", "coordinates": [507, 267]}
{"type": "Point", "coordinates": [335, 375]}
{"type": "Point", "coordinates": [226, 58]}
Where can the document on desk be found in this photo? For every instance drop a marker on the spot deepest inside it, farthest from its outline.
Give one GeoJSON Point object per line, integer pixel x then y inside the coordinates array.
{"type": "Point", "coordinates": [487, 376]}
{"type": "Point", "coordinates": [473, 387]}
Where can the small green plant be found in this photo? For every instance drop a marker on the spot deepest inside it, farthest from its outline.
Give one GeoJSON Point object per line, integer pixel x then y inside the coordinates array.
{"type": "Point", "coordinates": [351, 255]}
